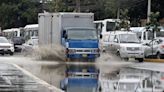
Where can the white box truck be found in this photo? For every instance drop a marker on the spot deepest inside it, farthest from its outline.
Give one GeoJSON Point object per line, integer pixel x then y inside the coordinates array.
{"type": "Point", "coordinates": [74, 31]}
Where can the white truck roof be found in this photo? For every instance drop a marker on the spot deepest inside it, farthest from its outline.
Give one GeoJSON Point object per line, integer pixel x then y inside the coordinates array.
{"type": "Point", "coordinates": [68, 14]}
{"type": "Point", "coordinates": [79, 28]}
{"type": "Point", "coordinates": [30, 26]}
{"type": "Point", "coordinates": [11, 30]}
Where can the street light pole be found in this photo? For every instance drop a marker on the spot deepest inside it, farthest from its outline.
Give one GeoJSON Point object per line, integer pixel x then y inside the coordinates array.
{"type": "Point", "coordinates": [77, 5]}
{"type": "Point", "coordinates": [118, 9]}
{"type": "Point", "coordinates": [148, 11]}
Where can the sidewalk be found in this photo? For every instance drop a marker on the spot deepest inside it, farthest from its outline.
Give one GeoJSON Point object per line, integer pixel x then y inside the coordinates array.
{"type": "Point", "coordinates": [15, 79]}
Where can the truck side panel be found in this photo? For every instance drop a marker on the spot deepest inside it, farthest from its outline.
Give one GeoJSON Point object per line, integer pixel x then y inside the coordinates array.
{"type": "Point", "coordinates": [77, 20]}
{"type": "Point", "coordinates": [56, 29]}
{"type": "Point", "coordinates": [51, 25]}
{"type": "Point", "coordinates": [45, 31]}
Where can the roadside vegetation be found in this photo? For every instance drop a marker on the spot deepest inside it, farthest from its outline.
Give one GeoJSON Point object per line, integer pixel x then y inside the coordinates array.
{"type": "Point", "coordinates": [18, 13]}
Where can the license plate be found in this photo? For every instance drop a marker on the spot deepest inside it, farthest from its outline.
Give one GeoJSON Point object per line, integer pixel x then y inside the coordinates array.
{"type": "Point", "coordinates": [84, 55]}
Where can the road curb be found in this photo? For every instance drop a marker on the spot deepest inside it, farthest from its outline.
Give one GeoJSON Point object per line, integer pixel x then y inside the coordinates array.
{"type": "Point", "coordinates": [154, 60]}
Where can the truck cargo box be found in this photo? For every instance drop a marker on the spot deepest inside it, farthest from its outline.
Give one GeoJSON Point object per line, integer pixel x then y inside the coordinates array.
{"type": "Point", "coordinates": [52, 24]}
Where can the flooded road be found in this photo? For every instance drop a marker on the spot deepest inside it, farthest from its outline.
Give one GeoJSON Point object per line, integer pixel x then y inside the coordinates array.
{"type": "Point", "coordinates": [14, 80]}
{"type": "Point", "coordinates": [53, 74]}
{"type": "Point", "coordinates": [54, 71]}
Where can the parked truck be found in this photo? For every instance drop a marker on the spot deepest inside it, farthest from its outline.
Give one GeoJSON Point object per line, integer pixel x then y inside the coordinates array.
{"type": "Point", "coordinates": [74, 31]}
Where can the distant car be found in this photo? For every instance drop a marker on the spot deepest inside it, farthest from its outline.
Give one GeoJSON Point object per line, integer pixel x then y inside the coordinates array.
{"type": "Point", "coordinates": [30, 45]}
{"type": "Point", "coordinates": [155, 48]}
{"type": "Point", "coordinates": [5, 46]}
{"type": "Point", "coordinates": [17, 41]}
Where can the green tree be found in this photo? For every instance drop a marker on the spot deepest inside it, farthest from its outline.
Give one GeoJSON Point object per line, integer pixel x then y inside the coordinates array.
{"type": "Point", "coordinates": [153, 23]}
{"type": "Point", "coordinates": [102, 8]}
{"type": "Point", "coordinates": [18, 13]}
{"type": "Point", "coordinates": [124, 19]}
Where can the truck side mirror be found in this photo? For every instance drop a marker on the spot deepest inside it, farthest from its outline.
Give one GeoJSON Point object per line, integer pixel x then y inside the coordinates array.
{"type": "Point", "coordinates": [116, 40]}
{"type": "Point", "coordinates": [101, 36]}
{"type": "Point", "coordinates": [65, 36]}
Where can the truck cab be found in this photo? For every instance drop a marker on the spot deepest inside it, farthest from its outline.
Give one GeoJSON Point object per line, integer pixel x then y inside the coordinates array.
{"type": "Point", "coordinates": [81, 42]}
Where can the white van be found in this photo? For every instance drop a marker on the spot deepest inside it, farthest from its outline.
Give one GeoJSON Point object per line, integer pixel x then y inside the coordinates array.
{"type": "Point", "coordinates": [105, 27]}
{"type": "Point", "coordinates": [147, 36]}
{"type": "Point", "coordinates": [126, 45]}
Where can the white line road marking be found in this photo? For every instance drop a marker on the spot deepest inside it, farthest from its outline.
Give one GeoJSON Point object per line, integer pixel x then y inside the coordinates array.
{"type": "Point", "coordinates": [42, 82]}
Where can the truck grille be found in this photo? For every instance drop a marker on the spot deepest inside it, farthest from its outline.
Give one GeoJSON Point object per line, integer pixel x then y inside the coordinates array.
{"type": "Point", "coordinates": [133, 48]}
{"type": "Point", "coordinates": [83, 50]}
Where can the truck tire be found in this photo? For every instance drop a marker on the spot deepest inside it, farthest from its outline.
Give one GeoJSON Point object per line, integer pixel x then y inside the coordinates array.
{"type": "Point", "coordinates": [2, 54]}
{"type": "Point", "coordinates": [126, 59]}
{"type": "Point", "coordinates": [11, 53]}
{"type": "Point", "coordinates": [140, 60]}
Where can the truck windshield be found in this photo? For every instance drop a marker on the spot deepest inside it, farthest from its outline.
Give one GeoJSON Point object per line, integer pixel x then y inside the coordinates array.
{"type": "Point", "coordinates": [127, 87]}
{"type": "Point", "coordinates": [128, 38]}
{"type": "Point", "coordinates": [82, 34]}
{"type": "Point", "coordinates": [81, 89]}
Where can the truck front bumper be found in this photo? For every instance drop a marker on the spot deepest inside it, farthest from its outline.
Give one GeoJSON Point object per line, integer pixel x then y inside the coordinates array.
{"type": "Point", "coordinates": [76, 56]}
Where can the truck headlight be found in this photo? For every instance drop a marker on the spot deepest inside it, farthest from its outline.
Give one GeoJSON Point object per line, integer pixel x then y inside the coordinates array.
{"type": "Point", "coordinates": [71, 51]}
{"type": "Point", "coordinates": [96, 50]}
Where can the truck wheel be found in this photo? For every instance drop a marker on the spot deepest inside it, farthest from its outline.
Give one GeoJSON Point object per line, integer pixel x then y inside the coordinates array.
{"type": "Point", "coordinates": [2, 54]}
{"type": "Point", "coordinates": [11, 53]}
{"type": "Point", "coordinates": [126, 59]}
{"type": "Point", "coordinates": [140, 59]}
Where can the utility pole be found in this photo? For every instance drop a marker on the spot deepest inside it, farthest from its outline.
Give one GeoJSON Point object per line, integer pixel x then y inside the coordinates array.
{"type": "Point", "coordinates": [118, 13]}
{"type": "Point", "coordinates": [77, 6]}
{"type": "Point", "coordinates": [118, 9]}
{"type": "Point", "coordinates": [148, 11]}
